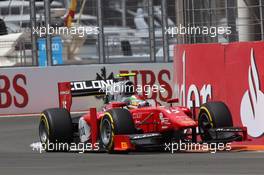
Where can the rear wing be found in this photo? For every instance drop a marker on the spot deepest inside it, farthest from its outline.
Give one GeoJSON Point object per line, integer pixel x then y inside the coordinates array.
{"type": "Point", "coordinates": [68, 90]}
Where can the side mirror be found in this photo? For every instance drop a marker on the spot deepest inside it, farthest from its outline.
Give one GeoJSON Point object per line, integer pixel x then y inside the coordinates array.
{"type": "Point", "coordinates": [172, 100]}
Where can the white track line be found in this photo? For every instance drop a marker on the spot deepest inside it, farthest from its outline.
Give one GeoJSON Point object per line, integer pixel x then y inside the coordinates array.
{"type": "Point", "coordinates": [19, 115]}
{"type": "Point", "coordinates": [34, 115]}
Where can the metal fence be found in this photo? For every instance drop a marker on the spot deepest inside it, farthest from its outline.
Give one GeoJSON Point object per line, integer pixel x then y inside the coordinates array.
{"type": "Point", "coordinates": [244, 17]}
{"type": "Point", "coordinates": [146, 30]}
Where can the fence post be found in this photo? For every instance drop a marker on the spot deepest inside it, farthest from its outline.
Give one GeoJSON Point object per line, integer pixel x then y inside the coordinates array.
{"type": "Point", "coordinates": [261, 13]}
{"type": "Point", "coordinates": [48, 35]}
{"type": "Point", "coordinates": [166, 52]}
{"type": "Point", "coordinates": [33, 35]}
{"type": "Point", "coordinates": [101, 48]}
{"type": "Point", "coordinates": [151, 32]}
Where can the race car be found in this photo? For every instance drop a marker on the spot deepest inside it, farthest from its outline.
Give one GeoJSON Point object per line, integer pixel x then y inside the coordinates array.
{"type": "Point", "coordinates": [129, 122]}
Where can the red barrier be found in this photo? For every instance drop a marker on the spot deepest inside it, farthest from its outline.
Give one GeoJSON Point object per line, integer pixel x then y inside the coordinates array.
{"type": "Point", "coordinates": [233, 73]}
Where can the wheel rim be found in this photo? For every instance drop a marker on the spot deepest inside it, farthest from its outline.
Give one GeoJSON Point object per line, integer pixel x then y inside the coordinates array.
{"type": "Point", "coordinates": [43, 134]}
{"type": "Point", "coordinates": [106, 132]}
{"type": "Point", "coordinates": [204, 125]}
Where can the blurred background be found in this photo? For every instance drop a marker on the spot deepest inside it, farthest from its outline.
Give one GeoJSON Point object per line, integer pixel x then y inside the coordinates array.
{"type": "Point", "coordinates": [133, 30]}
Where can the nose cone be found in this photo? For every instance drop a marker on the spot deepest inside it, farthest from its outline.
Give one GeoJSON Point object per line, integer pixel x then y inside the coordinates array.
{"type": "Point", "coordinates": [183, 122]}
{"type": "Point", "coordinates": [179, 119]}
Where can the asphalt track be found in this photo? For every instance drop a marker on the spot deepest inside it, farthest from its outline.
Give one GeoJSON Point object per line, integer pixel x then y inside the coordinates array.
{"type": "Point", "coordinates": [17, 157]}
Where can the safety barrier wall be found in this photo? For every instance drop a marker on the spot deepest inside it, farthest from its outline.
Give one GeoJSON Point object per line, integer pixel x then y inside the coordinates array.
{"type": "Point", "coordinates": [233, 73]}
{"type": "Point", "coordinates": [30, 90]}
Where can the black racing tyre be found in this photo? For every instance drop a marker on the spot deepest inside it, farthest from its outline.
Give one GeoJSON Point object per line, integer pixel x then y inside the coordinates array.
{"type": "Point", "coordinates": [115, 121]}
{"type": "Point", "coordinates": [55, 128]}
{"type": "Point", "coordinates": [213, 115]}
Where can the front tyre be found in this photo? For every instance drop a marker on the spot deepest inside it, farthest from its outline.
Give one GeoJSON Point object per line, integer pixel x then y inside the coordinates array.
{"type": "Point", "coordinates": [213, 115]}
{"type": "Point", "coordinates": [115, 121]}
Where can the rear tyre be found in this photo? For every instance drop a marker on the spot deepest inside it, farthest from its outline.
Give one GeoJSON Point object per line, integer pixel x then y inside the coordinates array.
{"type": "Point", "coordinates": [55, 130]}
{"type": "Point", "coordinates": [114, 122]}
{"type": "Point", "coordinates": [213, 115]}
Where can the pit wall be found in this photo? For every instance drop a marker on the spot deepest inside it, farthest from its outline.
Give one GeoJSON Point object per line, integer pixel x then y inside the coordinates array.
{"type": "Point", "coordinates": [31, 90]}
{"type": "Point", "coordinates": [233, 73]}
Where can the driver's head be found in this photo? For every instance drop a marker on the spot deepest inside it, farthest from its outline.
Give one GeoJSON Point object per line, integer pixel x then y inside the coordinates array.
{"type": "Point", "coordinates": [129, 88]}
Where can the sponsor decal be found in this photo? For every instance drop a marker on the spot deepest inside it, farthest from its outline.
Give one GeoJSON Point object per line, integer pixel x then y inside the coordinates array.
{"type": "Point", "coordinates": [88, 85]}
{"type": "Point", "coordinates": [200, 96]}
{"type": "Point", "coordinates": [13, 91]}
{"type": "Point", "coordinates": [252, 104]}
{"type": "Point", "coordinates": [148, 78]}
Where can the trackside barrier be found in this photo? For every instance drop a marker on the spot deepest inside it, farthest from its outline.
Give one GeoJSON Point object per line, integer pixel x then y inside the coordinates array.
{"type": "Point", "coordinates": [29, 90]}
{"type": "Point", "coordinates": [233, 73]}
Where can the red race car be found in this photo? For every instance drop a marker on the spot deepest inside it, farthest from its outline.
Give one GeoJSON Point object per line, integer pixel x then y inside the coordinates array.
{"type": "Point", "coordinates": [129, 122]}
